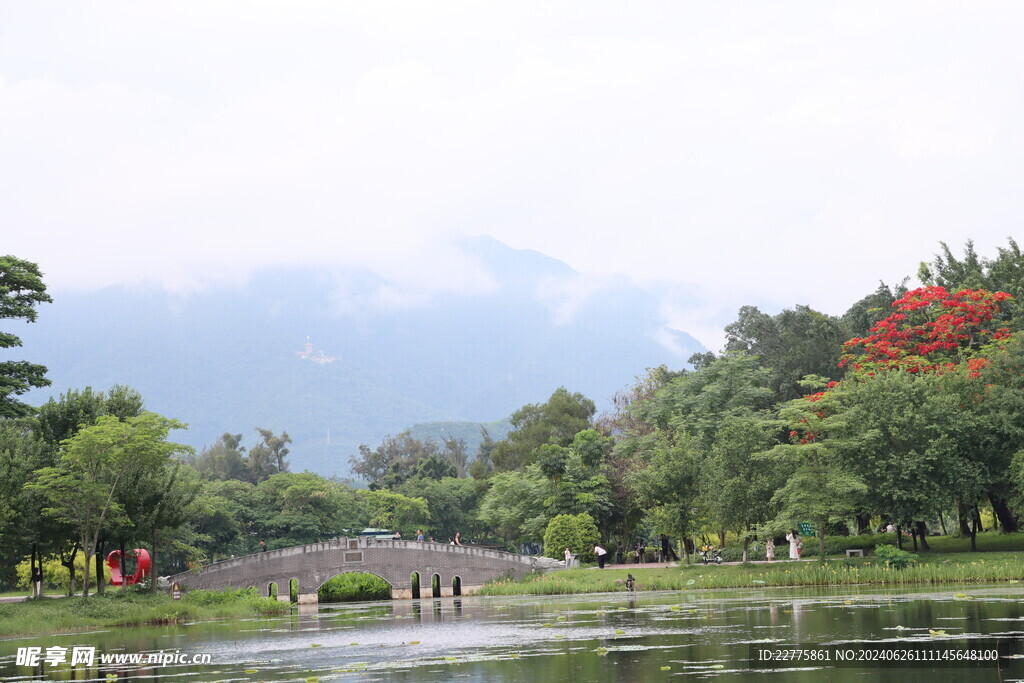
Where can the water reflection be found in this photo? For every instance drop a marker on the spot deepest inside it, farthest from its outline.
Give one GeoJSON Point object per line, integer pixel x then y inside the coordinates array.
{"type": "Point", "coordinates": [607, 637]}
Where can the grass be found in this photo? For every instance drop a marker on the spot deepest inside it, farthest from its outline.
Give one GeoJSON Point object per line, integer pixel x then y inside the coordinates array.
{"type": "Point", "coordinates": [933, 568]}
{"type": "Point", "coordinates": [130, 609]}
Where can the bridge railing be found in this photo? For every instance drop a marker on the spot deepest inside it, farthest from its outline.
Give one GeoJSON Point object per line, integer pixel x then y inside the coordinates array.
{"type": "Point", "coordinates": [370, 542]}
{"type": "Point", "coordinates": [360, 542]}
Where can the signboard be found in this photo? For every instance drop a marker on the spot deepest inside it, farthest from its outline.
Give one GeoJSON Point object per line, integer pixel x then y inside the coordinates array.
{"type": "Point", "coordinates": [176, 590]}
{"type": "Point", "coordinates": [806, 529]}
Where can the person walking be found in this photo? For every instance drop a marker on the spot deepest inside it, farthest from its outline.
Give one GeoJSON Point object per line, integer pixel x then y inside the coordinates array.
{"type": "Point", "coordinates": [263, 546]}
{"type": "Point", "coordinates": [794, 544]}
{"type": "Point", "coordinates": [458, 538]}
{"type": "Point", "coordinates": [618, 552]}
{"type": "Point", "coordinates": [769, 548]}
{"type": "Point", "coordinates": [568, 557]}
{"type": "Point", "coordinates": [667, 551]}
{"type": "Point", "coordinates": [419, 535]}
{"type": "Point", "coordinates": [600, 552]}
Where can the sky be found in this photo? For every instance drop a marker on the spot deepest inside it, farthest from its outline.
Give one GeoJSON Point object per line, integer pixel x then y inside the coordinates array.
{"type": "Point", "coordinates": [716, 153]}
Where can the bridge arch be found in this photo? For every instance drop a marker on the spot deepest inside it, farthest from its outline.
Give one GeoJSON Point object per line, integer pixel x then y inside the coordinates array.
{"type": "Point", "coordinates": [382, 591]}
{"type": "Point", "coordinates": [456, 586]}
{"type": "Point", "coordinates": [414, 579]}
{"type": "Point", "coordinates": [435, 586]}
{"type": "Point", "coordinates": [272, 590]}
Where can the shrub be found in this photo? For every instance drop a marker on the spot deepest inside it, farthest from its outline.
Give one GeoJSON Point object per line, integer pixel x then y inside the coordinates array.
{"type": "Point", "coordinates": [354, 586]}
{"type": "Point", "coordinates": [577, 532]}
{"type": "Point", "coordinates": [56, 575]}
{"type": "Point", "coordinates": [894, 557]}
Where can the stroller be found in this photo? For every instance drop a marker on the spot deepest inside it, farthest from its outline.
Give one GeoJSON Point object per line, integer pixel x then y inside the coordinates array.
{"type": "Point", "coordinates": [709, 554]}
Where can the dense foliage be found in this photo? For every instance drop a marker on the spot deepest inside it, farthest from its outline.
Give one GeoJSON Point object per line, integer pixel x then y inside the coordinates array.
{"type": "Point", "coordinates": [903, 411]}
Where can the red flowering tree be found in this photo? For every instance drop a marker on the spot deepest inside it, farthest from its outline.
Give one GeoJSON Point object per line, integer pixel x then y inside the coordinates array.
{"type": "Point", "coordinates": [931, 331]}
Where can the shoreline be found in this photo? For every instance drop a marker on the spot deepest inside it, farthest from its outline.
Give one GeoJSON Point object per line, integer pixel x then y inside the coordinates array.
{"type": "Point", "coordinates": [931, 569]}
{"type": "Point", "coordinates": [128, 610]}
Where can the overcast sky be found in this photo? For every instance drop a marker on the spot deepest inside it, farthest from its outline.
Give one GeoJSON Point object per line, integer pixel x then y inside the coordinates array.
{"type": "Point", "coordinates": [781, 153]}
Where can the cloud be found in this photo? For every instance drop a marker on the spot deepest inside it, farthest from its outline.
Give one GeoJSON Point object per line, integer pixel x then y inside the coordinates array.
{"type": "Point", "coordinates": [787, 155]}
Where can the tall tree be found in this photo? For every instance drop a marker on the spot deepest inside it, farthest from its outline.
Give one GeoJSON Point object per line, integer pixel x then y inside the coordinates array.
{"type": "Point", "coordinates": [394, 456]}
{"type": "Point", "coordinates": [556, 421]}
{"type": "Point", "coordinates": [224, 460]}
{"type": "Point", "coordinates": [797, 342]}
{"type": "Point", "coordinates": [82, 488]}
{"type": "Point", "coordinates": [268, 457]}
{"type": "Point", "coordinates": [21, 291]}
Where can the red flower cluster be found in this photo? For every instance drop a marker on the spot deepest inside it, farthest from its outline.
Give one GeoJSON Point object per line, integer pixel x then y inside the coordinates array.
{"type": "Point", "coordinates": [928, 324]}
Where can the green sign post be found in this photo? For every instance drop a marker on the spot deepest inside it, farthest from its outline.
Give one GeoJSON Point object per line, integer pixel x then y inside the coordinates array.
{"type": "Point", "coordinates": [806, 529]}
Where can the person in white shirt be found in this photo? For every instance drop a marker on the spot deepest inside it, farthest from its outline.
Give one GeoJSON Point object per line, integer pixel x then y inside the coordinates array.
{"type": "Point", "coordinates": [794, 544]}
{"type": "Point", "coordinates": [600, 552]}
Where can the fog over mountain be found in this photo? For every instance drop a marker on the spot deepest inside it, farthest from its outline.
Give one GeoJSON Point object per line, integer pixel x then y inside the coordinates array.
{"type": "Point", "coordinates": [383, 356]}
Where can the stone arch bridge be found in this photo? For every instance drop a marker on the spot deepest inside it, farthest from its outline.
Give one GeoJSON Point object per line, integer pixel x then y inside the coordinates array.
{"type": "Point", "coordinates": [410, 567]}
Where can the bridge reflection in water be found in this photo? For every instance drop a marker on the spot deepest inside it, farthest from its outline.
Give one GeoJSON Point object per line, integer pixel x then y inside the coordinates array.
{"type": "Point", "coordinates": [413, 569]}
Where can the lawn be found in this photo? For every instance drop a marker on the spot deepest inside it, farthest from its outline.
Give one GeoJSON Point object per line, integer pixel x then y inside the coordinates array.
{"type": "Point", "coordinates": [948, 563]}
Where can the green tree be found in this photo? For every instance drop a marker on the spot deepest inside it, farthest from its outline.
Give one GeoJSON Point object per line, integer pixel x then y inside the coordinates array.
{"type": "Point", "coordinates": [394, 457]}
{"type": "Point", "coordinates": [821, 489]}
{"type": "Point", "coordinates": [454, 451]}
{"type": "Point", "coordinates": [514, 505]}
{"type": "Point", "coordinates": [578, 475]}
{"type": "Point", "coordinates": [1004, 273]}
{"type": "Point", "coordinates": [60, 419]}
{"type": "Point", "coordinates": [297, 508]}
{"type": "Point", "coordinates": [556, 421]}
{"type": "Point", "coordinates": [666, 479]}
{"type": "Point", "coordinates": [268, 457]}
{"type": "Point", "coordinates": [578, 533]}
{"type": "Point", "coordinates": [797, 342]}
{"type": "Point", "coordinates": [224, 460]}
{"type": "Point", "coordinates": [82, 488]}
{"type": "Point", "coordinates": [21, 453]}
{"type": "Point", "coordinates": [452, 503]}
{"type": "Point", "coordinates": [390, 510]}
{"type": "Point", "coordinates": [738, 482]}
{"type": "Point", "coordinates": [21, 291]}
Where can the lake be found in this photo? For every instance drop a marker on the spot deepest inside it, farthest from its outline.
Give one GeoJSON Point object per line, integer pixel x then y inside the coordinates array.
{"type": "Point", "coordinates": [649, 636]}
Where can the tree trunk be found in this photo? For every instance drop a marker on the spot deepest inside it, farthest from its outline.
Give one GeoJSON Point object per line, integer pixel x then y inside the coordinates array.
{"type": "Point", "coordinates": [85, 574]}
{"type": "Point", "coordinates": [975, 525]}
{"type": "Point", "coordinates": [746, 542]}
{"type": "Point", "coordinates": [1007, 520]}
{"type": "Point", "coordinates": [100, 583]}
{"type": "Point", "coordinates": [977, 518]}
{"type": "Point", "coordinates": [922, 531]}
{"type": "Point", "coordinates": [821, 539]}
{"type": "Point", "coordinates": [899, 537]}
{"type": "Point", "coordinates": [32, 573]}
{"type": "Point", "coordinates": [70, 564]}
{"type": "Point", "coordinates": [863, 522]}
{"type": "Point", "coordinates": [721, 538]}
{"type": "Point", "coordinates": [961, 511]}
{"type": "Point", "coordinates": [124, 567]}
{"type": "Point", "coordinates": [913, 536]}
{"type": "Point", "coordinates": [942, 524]}
{"type": "Point", "coordinates": [152, 562]}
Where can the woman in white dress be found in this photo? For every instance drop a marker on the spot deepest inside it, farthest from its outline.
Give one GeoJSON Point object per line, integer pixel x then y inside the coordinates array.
{"type": "Point", "coordinates": [794, 544]}
{"type": "Point", "coordinates": [769, 548]}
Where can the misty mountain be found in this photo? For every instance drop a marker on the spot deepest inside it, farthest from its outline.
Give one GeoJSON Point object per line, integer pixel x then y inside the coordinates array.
{"type": "Point", "coordinates": [230, 358]}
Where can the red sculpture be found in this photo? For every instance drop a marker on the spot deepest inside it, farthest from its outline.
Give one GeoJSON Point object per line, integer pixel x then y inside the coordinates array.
{"type": "Point", "coordinates": [142, 565]}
